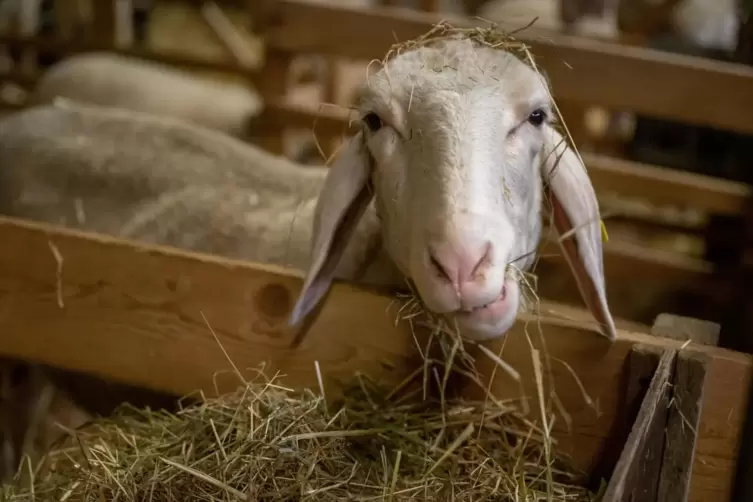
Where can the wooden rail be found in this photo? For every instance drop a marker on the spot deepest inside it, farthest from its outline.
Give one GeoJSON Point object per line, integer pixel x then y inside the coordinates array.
{"type": "Point", "coordinates": [580, 70]}
{"type": "Point", "coordinates": [136, 314]}
{"type": "Point", "coordinates": [62, 47]}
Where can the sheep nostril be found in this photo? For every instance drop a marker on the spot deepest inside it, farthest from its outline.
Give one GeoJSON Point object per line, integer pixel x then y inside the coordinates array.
{"type": "Point", "coordinates": [485, 260]}
{"type": "Point", "coordinates": [439, 269]}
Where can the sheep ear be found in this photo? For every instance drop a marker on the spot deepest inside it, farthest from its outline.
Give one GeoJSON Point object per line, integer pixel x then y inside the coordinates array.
{"type": "Point", "coordinates": [343, 200]}
{"type": "Point", "coordinates": [575, 212]}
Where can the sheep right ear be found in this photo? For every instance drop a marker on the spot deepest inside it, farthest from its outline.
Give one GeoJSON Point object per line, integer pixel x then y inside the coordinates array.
{"type": "Point", "coordinates": [575, 212]}
{"type": "Point", "coordinates": [342, 202]}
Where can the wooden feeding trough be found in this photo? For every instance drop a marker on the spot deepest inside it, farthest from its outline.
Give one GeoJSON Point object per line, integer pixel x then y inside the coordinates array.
{"type": "Point", "coordinates": [139, 315]}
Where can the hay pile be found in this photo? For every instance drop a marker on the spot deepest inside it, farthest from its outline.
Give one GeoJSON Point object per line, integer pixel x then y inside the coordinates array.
{"type": "Point", "coordinates": [267, 443]}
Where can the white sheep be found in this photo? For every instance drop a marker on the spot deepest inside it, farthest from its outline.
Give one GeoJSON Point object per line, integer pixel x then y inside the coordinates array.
{"type": "Point", "coordinates": [443, 185]}
{"type": "Point", "coordinates": [110, 79]}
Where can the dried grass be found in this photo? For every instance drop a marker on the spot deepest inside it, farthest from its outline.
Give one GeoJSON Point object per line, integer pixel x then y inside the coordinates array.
{"type": "Point", "coordinates": [265, 442]}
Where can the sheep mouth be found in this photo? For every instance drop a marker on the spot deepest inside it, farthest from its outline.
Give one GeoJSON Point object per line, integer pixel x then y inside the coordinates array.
{"type": "Point", "coordinates": [493, 309]}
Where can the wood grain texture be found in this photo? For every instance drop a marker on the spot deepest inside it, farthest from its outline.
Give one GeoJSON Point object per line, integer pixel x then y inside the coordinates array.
{"type": "Point", "coordinates": [570, 62]}
{"type": "Point", "coordinates": [688, 390]}
{"type": "Point", "coordinates": [636, 476]}
{"type": "Point", "coordinates": [686, 328]}
{"type": "Point", "coordinates": [640, 370]}
{"type": "Point", "coordinates": [135, 314]}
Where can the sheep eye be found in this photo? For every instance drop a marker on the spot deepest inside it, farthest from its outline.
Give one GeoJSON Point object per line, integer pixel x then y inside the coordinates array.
{"type": "Point", "coordinates": [372, 121]}
{"type": "Point", "coordinates": [537, 117]}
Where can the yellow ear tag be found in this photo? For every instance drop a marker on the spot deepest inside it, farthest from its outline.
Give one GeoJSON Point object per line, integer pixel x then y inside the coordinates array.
{"type": "Point", "coordinates": [604, 235]}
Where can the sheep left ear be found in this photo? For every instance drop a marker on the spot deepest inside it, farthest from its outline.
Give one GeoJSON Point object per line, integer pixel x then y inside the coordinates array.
{"type": "Point", "coordinates": [343, 200]}
{"type": "Point", "coordinates": [575, 212]}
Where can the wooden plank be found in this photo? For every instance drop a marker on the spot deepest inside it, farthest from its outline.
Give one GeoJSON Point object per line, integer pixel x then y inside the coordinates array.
{"type": "Point", "coordinates": [636, 476]}
{"type": "Point", "coordinates": [659, 185]}
{"type": "Point", "coordinates": [68, 47]}
{"type": "Point", "coordinates": [228, 34]}
{"type": "Point", "coordinates": [103, 26]}
{"type": "Point", "coordinates": [275, 86]}
{"type": "Point", "coordinates": [135, 314]}
{"type": "Point", "coordinates": [688, 388]}
{"type": "Point", "coordinates": [665, 186]}
{"type": "Point", "coordinates": [686, 328]}
{"type": "Point", "coordinates": [641, 368]}
{"type": "Point", "coordinates": [570, 62]}
{"type": "Point", "coordinates": [628, 261]}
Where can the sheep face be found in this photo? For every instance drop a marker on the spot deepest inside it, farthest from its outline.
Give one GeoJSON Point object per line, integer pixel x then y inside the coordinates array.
{"type": "Point", "coordinates": [450, 154]}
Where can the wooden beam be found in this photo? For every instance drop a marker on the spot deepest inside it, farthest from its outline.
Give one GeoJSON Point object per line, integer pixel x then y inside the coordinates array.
{"type": "Point", "coordinates": [688, 392]}
{"type": "Point", "coordinates": [228, 34]}
{"type": "Point", "coordinates": [686, 328]}
{"type": "Point", "coordinates": [665, 186]}
{"type": "Point", "coordinates": [628, 261]}
{"type": "Point", "coordinates": [68, 47]}
{"type": "Point", "coordinates": [659, 185]}
{"type": "Point", "coordinates": [636, 476]}
{"type": "Point", "coordinates": [136, 314]}
{"type": "Point", "coordinates": [571, 63]}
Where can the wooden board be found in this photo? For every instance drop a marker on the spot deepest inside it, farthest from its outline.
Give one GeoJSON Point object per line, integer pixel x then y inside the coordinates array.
{"type": "Point", "coordinates": [571, 63]}
{"type": "Point", "coordinates": [135, 314]}
{"type": "Point", "coordinates": [688, 390]}
{"type": "Point", "coordinates": [636, 476]}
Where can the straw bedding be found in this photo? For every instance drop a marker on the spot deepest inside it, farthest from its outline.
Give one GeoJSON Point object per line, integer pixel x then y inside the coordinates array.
{"type": "Point", "coordinates": [268, 443]}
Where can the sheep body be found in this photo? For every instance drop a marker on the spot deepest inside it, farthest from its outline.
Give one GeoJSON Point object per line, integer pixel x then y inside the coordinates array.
{"type": "Point", "coordinates": [114, 80]}
{"type": "Point", "coordinates": [160, 180]}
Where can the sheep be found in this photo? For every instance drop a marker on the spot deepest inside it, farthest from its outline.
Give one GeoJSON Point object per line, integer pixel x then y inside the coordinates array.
{"type": "Point", "coordinates": [441, 186]}
{"type": "Point", "coordinates": [110, 79]}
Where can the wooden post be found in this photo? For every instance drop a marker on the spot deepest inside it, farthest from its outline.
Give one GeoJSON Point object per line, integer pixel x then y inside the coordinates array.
{"type": "Point", "coordinates": [741, 298]}
{"type": "Point", "coordinates": [273, 84]}
{"type": "Point", "coordinates": [666, 456]}
{"type": "Point", "coordinates": [123, 24]}
{"type": "Point", "coordinates": [636, 476]}
{"type": "Point", "coordinates": [30, 11]}
{"type": "Point", "coordinates": [684, 413]}
{"type": "Point", "coordinates": [102, 28]}
{"type": "Point", "coordinates": [684, 419]}
{"type": "Point", "coordinates": [274, 80]}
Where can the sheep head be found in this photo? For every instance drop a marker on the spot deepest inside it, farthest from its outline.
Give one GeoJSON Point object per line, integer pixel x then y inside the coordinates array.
{"type": "Point", "coordinates": [454, 144]}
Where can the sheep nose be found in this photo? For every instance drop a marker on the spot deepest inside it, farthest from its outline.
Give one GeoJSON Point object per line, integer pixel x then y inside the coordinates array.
{"type": "Point", "coordinates": [461, 263]}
